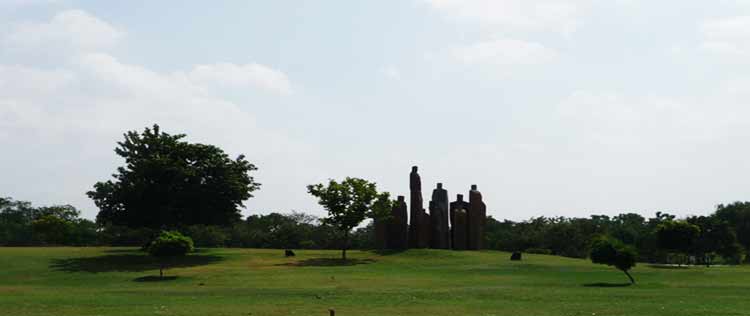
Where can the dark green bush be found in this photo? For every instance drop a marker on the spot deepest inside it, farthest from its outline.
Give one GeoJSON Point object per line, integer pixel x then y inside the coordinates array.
{"type": "Point", "coordinates": [612, 252]}
{"type": "Point", "coordinates": [169, 245]}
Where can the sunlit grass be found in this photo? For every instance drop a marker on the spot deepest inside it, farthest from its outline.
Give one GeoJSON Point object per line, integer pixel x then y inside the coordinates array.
{"type": "Point", "coordinates": [120, 281]}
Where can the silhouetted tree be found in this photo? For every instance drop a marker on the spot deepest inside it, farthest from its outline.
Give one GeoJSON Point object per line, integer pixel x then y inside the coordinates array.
{"type": "Point", "coordinates": [167, 182]}
{"type": "Point", "coordinates": [677, 236]}
{"type": "Point", "coordinates": [737, 216]}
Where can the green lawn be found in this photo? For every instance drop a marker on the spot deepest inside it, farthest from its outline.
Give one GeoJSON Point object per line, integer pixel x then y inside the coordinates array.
{"type": "Point", "coordinates": [119, 281]}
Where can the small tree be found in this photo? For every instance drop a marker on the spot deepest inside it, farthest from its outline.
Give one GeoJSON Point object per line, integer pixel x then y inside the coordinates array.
{"type": "Point", "coordinates": [612, 252]}
{"type": "Point", "coordinates": [169, 245]}
{"type": "Point", "coordinates": [348, 203]}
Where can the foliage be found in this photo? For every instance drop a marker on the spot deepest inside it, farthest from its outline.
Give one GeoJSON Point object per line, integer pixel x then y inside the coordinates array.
{"type": "Point", "coordinates": [612, 252]}
{"type": "Point", "coordinates": [52, 230]}
{"type": "Point", "coordinates": [677, 237]}
{"type": "Point", "coordinates": [737, 216]}
{"type": "Point", "coordinates": [168, 182]}
{"type": "Point", "coordinates": [22, 224]}
{"type": "Point", "coordinates": [169, 245]}
{"type": "Point", "coordinates": [716, 237]}
{"type": "Point", "coordinates": [207, 236]}
{"type": "Point", "coordinates": [348, 203]}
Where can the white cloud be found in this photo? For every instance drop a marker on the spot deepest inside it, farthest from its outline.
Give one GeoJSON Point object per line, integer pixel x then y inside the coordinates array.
{"type": "Point", "coordinates": [241, 76]}
{"type": "Point", "coordinates": [60, 116]}
{"type": "Point", "coordinates": [650, 121]}
{"type": "Point", "coordinates": [728, 37]}
{"type": "Point", "coordinates": [523, 15]}
{"type": "Point", "coordinates": [391, 72]}
{"type": "Point", "coordinates": [9, 3]}
{"type": "Point", "coordinates": [504, 52]}
{"type": "Point", "coordinates": [72, 30]}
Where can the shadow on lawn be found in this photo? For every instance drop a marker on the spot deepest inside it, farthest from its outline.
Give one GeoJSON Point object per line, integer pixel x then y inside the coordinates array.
{"type": "Point", "coordinates": [154, 278]}
{"type": "Point", "coordinates": [388, 252]}
{"type": "Point", "coordinates": [667, 266]}
{"type": "Point", "coordinates": [601, 284]}
{"type": "Point", "coordinates": [127, 263]}
{"type": "Point", "coordinates": [327, 262]}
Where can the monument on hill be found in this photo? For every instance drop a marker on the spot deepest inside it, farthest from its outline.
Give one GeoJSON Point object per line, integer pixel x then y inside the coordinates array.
{"type": "Point", "coordinates": [416, 210]}
{"type": "Point", "coordinates": [477, 219]}
{"type": "Point", "coordinates": [398, 226]}
{"type": "Point", "coordinates": [459, 223]}
{"type": "Point", "coordinates": [439, 230]}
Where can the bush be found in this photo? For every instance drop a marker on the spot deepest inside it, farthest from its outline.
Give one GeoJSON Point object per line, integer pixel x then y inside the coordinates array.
{"type": "Point", "coordinates": [168, 245]}
{"type": "Point", "coordinates": [612, 252]}
{"type": "Point", "coordinates": [539, 251]}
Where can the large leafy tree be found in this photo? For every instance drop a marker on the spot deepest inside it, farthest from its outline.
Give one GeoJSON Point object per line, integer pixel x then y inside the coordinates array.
{"type": "Point", "coordinates": [677, 237]}
{"type": "Point", "coordinates": [715, 237]}
{"type": "Point", "coordinates": [737, 215]}
{"type": "Point", "coordinates": [348, 204]}
{"type": "Point", "coordinates": [167, 182]}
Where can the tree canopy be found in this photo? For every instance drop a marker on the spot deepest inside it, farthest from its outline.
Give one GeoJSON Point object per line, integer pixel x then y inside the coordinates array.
{"type": "Point", "coordinates": [169, 245]}
{"type": "Point", "coordinates": [348, 203]}
{"type": "Point", "coordinates": [167, 182]}
{"type": "Point", "coordinates": [612, 252]}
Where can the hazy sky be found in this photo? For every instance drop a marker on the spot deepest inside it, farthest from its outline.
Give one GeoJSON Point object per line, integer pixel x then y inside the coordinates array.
{"type": "Point", "coordinates": [552, 107]}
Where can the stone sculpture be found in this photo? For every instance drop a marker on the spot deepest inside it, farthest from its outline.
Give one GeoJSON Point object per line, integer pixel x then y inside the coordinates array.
{"type": "Point", "coordinates": [458, 229]}
{"type": "Point", "coordinates": [439, 207]}
{"type": "Point", "coordinates": [424, 230]}
{"type": "Point", "coordinates": [398, 226]}
{"type": "Point", "coordinates": [477, 217]}
{"type": "Point", "coordinates": [416, 210]}
{"type": "Point", "coordinates": [381, 233]}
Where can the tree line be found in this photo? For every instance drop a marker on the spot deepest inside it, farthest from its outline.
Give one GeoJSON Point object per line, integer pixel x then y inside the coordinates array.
{"type": "Point", "coordinates": [170, 184]}
{"type": "Point", "coordinates": [722, 236]}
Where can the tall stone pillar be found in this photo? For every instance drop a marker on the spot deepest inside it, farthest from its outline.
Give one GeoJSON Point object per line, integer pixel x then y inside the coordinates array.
{"type": "Point", "coordinates": [477, 218]}
{"type": "Point", "coordinates": [381, 233]}
{"type": "Point", "coordinates": [424, 230]}
{"type": "Point", "coordinates": [398, 226]}
{"type": "Point", "coordinates": [439, 208]}
{"type": "Point", "coordinates": [459, 225]}
{"type": "Point", "coordinates": [416, 209]}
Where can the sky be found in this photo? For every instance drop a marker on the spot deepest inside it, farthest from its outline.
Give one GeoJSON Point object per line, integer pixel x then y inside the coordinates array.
{"type": "Point", "coordinates": [552, 107]}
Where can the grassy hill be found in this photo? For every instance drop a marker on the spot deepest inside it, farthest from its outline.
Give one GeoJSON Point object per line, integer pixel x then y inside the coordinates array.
{"type": "Point", "coordinates": [120, 281]}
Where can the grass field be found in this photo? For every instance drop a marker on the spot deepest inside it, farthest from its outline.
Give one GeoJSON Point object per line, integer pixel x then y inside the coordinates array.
{"type": "Point", "coordinates": [120, 281]}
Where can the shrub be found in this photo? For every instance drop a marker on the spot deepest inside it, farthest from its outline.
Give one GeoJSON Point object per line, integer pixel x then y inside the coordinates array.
{"type": "Point", "coordinates": [169, 245]}
{"type": "Point", "coordinates": [612, 252]}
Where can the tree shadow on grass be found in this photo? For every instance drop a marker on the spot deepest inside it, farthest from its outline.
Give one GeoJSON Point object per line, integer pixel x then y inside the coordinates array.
{"type": "Point", "coordinates": [602, 284]}
{"type": "Point", "coordinates": [388, 252]}
{"type": "Point", "coordinates": [127, 263]}
{"type": "Point", "coordinates": [667, 266]}
{"type": "Point", "coordinates": [154, 278]}
{"type": "Point", "coordinates": [327, 262]}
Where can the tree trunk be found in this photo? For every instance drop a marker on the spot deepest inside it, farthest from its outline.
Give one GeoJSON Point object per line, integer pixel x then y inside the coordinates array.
{"type": "Point", "coordinates": [346, 245]}
{"type": "Point", "coordinates": [632, 281]}
{"type": "Point", "coordinates": [161, 271]}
